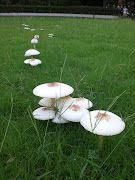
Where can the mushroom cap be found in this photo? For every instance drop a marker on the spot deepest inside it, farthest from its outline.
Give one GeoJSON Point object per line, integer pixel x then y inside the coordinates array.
{"type": "Point", "coordinates": [53, 90]}
{"type": "Point", "coordinates": [73, 113]}
{"type": "Point", "coordinates": [45, 102]}
{"type": "Point", "coordinates": [59, 119]}
{"type": "Point", "coordinates": [83, 102]}
{"type": "Point", "coordinates": [34, 41]}
{"type": "Point", "coordinates": [102, 123]}
{"type": "Point", "coordinates": [32, 62]}
{"type": "Point", "coordinates": [64, 102]}
{"type": "Point", "coordinates": [26, 28]}
{"type": "Point", "coordinates": [36, 36]}
{"type": "Point", "coordinates": [50, 34]}
{"type": "Point", "coordinates": [43, 113]}
{"type": "Point", "coordinates": [32, 52]}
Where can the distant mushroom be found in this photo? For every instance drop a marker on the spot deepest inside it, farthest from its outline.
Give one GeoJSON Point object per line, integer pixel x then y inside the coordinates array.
{"type": "Point", "coordinates": [32, 62]}
{"type": "Point", "coordinates": [26, 28]}
{"type": "Point", "coordinates": [36, 36]}
{"type": "Point", "coordinates": [73, 113]}
{"type": "Point", "coordinates": [102, 123]}
{"type": "Point", "coordinates": [31, 52]}
{"type": "Point", "coordinates": [34, 41]}
{"type": "Point", "coordinates": [50, 35]}
{"type": "Point", "coordinates": [43, 113]}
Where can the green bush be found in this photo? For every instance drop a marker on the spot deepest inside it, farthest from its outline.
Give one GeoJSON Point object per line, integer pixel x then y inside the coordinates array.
{"type": "Point", "coordinates": [58, 9]}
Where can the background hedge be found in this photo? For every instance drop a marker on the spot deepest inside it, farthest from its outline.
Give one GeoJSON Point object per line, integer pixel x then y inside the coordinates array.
{"type": "Point", "coordinates": [58, 9]}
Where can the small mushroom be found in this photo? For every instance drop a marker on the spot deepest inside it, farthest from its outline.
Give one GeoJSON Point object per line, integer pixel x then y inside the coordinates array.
{"type": "Point", "coordinates": [102, 123]}
{"type": "Point", "coordinates": [34, 41]}
{"type": "Point", "coordinates": [31, 52]}
{"type": "Point", "coordinates": [73, 113]}
{"type": "Point", "coordinates": [32, 62]}
{"type": "Point", "coordinates": [44, 113]}
{"type": "Point", "coordinates": [36, 36]}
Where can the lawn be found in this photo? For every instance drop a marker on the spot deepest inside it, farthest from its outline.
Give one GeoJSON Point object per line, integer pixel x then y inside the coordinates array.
{"type": "Point", "coordinates": [95, 57]}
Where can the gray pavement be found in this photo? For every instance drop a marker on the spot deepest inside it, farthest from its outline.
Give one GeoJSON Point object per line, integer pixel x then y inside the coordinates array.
{"type": "Point", "coordinates": [90, 16]}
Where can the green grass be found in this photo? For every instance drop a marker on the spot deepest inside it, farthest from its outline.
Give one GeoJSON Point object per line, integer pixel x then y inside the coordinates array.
{"type": "Point", "coordinates": [99, 65]}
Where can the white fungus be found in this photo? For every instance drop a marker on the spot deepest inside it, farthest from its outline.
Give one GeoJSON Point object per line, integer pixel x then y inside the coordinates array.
{"type": "Point", "coordinates": [102, 122]}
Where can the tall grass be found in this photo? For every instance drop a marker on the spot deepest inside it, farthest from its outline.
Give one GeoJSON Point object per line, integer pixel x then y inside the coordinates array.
{"type": "Point", "coordinates": [95, 57]}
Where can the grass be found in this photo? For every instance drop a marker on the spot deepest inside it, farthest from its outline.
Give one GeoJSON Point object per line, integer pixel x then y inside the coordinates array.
{"type": "Point", "coordinates": [99, 62]}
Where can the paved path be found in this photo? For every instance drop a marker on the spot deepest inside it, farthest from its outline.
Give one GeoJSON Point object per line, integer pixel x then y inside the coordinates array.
{"type": "Point", "coordinates": [90, 16]}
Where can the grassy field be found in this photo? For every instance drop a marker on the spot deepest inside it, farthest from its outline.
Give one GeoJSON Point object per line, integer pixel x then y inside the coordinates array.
{"type": "Point", "coordinates": [95, 57]}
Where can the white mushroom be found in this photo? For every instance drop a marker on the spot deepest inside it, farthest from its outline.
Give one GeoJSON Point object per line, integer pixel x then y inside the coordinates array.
{"type": "Point", "coordinates": [73, 113]}
{"type": "Point", "coordinates": [103, 123]}
{"type": "Point", "coordinates": [32, 62]}
{"type": "Point", "coordinates": [53, 90]}
{"type": "Point", "coordinates": [34, 41]}
{"type": "Point", "coordinates": [26, 28]}
{"type": "Point", "coordinates": [59, 119]}
{"type": "Point", "coordinates": [45, 102]}
{"type": "Point", "coordinates": [31, 52]}
{"type": "Point", "coordinates": [43, 113]}
{"type": "Point", "coordinates": [36, 36]}
{"type": "Point", "coordinates": [64, 102]}
{"type": "Point", "coordinates": [83, 102]}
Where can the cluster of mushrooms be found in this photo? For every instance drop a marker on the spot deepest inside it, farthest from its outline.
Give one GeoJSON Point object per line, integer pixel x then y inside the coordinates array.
{"type": "Point", "coordinates": [32, 52]}
{"type": "Point", "coordinates": [59, 107]}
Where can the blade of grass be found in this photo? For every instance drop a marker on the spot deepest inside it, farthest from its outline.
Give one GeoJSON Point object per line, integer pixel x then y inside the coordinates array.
{"type": "Point", "coordinates": [34, 123]}
{"type": "Point", "coordinates": [11, 111]}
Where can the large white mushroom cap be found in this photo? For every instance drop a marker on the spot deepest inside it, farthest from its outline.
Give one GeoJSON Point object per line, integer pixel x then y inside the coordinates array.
{"type": "Point", "coordinates": [83, 102]}
{"type": "Point", "coordinates": [73, 113]}
{"type": "Point", "coordinates": [34, 41]}
{"type": "Point", "coordinates": [102, 123]}
{"type": "Point", "coordinates": [43, 113]}
{"type": "Point", "coordinates": [53, 90]}
{"type": "Point", "coordinates": [59, 119]}
{"type": "Point", "coordinates": [32, 52]}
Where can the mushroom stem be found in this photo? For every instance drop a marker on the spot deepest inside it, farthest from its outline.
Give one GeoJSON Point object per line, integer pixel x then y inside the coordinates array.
{"type": "Point", "coordinates": [100, 143]}
{"type": "Point", "coordinates": [34, 46]}
{"type": "Point", "coordinates": [53, 102]}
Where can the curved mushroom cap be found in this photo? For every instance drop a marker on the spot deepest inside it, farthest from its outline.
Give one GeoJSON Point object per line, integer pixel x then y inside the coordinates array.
{"type": "Point", "coordinates": [35, 62]}
{"type": "Point", "coordinates": [45, 102]}
{"type": "Point", "coordinates": [73, 113]}
{"type": "Point", "coordinates": [50, 34]}
{"type": "Point", "coordinates": [59, 119]}
{"type": "Point", "coordinates": [53, 90]}
{"type": "Point", "coordinates": [36, 36]}
{"type": "Point", "coordinates": [64, 102]}
{"type": "Point", "coordinates": [32, 62]}
{"type": "Point", "coordinates": [83, 102]}
{"type": "Point", "coordinates": [32, 52]}
{"type": "Point", "coordinates": [34, 41]}
{"type": "Point", "coordinates": [102, 123]}
{"type": "Point", "coordinates": [43, 113]}
{"type": "Point", "coordinates": [26, 28]}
